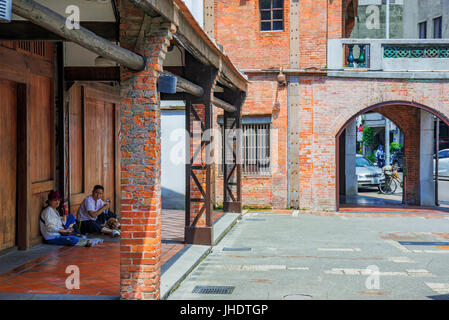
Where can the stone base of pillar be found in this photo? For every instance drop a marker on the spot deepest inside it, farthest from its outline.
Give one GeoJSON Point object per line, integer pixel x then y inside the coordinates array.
{"type": "Point", "coordinates": [232, 207]}
{"type": "Point", "coordinates": [199, 235]}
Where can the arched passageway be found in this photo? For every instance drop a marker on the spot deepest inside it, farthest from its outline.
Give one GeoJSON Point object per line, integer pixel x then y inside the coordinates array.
{"type": "Point", "coordinates": [418, 125]}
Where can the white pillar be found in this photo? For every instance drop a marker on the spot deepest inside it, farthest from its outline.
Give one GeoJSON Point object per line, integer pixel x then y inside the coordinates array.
{"type": "Point", "coordinates": [427, 185]}
{"type": "Point", "coordinates": [350, 171]}
{"type": "Point", "coordinates": [387, 22]}
{"type": "Point", "coordinates": [387, 141]}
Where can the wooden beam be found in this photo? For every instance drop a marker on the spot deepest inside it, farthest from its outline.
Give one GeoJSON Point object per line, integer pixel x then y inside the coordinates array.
{"type": "Point", "coordinates": [223, 105]}
{"type": "Point", "coordinates": [56, 23]}
{"type": "Point", "coordinates": [183, 85]}
{"type": "Point", "coordinates": [25, 30]}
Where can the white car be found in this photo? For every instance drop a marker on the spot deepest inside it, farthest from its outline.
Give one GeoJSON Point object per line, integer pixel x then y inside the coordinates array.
{"type": "Point", "coordinates": [443, 163]}
{"type": "Point", "coordinates": [368, 175]}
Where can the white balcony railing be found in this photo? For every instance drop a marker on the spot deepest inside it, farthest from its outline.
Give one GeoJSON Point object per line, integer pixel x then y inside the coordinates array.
{"type": "Point", "coordinates": [389, 58]}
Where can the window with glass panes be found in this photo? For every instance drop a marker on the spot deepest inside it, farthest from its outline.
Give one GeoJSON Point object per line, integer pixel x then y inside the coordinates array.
{"type": "Point", "coordinates": [437, 28]}
{"type": "Point", "coordinates": [271, 15]}
{"type": "Point", "coordinates": [422, 30]}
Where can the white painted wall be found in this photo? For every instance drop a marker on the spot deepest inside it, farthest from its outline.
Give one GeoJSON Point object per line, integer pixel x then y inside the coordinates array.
{"type": "Point", "coordinates": [196, 7]}
{"type": "Point", "coordinates": [173, 158]}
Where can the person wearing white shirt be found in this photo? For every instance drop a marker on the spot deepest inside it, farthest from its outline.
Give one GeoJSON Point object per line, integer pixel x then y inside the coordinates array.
{"type": "Point", "coordinates": [92, 215]}
{"type": "Point", "coordinates": [54, 228]}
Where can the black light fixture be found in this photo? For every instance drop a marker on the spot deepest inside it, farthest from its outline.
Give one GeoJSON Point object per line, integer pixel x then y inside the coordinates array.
{"type": "Point", "coordinates": [5, 11]}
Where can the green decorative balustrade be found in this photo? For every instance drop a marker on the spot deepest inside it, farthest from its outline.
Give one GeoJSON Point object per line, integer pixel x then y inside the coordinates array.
{"type": "Point", "coordinates": [361, 60]}
{"type": "Point", "coordinates": [398, 52]}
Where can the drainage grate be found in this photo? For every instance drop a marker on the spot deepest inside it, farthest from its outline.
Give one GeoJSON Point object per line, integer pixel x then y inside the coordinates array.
{"type": "Point", "coordinates": [213, 289]}
{"type": "Point", "coordinates": [236, 249]}
{"type": "Point", "coordinates": [254, 219]}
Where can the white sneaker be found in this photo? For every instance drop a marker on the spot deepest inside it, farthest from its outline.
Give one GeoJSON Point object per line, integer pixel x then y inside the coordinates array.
{"type": "Point", "coordinates": [115, 233]}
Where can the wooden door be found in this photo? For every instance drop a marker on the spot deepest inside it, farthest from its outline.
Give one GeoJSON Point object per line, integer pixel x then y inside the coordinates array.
{"type": "Point", "coordinates": [8, 164]}
{"type": "Point", "coordinates": [94, 143]}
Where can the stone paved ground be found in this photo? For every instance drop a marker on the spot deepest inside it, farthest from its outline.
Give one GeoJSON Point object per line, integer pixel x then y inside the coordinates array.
{"type": "Point", "coordinates": [402, 255]}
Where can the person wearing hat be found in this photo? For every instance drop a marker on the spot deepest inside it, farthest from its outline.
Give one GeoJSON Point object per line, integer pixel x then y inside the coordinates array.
{"type": "Point", "coordinates": [54, 228]}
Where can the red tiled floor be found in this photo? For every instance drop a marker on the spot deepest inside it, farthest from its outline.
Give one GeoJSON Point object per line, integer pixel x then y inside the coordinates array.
{"type": "Point", "coordinates": [99, 265]}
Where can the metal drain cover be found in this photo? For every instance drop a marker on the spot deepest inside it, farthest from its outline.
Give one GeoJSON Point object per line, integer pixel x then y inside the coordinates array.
{"type": "Point", "coordinates": [236, 249]}
{"type": "Point", "coordinates": [297, 297]}
{"type": "Point", "coordinates": [213, 289]}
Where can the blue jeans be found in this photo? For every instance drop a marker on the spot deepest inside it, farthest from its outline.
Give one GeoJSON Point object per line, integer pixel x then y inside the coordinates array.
{"type": "Point", "coordinates": [65, 240]}
{"type": "Point", "coordinates": [70, 220]}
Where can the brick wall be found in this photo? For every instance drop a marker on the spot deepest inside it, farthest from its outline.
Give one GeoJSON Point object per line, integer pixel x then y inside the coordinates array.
{"type": "Point", "coordinates": [263, 94]}
{"type": "Point", "coordinates": [327, 104]}
{"type": "Point", "coordinates": [237, 28]}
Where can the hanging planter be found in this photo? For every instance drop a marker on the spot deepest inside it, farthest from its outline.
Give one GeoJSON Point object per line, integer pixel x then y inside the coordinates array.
{"type": "Point", "coordinates": [167, 83]}
{"type": "Point", "coordinates": [5, 10]}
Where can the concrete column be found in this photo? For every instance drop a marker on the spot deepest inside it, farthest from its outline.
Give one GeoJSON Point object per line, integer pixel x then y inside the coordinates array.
{"type": "Point", "coordinates": [350, 154]}
{"type": "Point", "coordinates": [427, 185]}
{"type": "Point", "coordinates": [387, 141]}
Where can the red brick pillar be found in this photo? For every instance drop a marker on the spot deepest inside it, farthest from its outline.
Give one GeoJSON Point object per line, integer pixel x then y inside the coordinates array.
{"type": "Point", "coordinates": [408, 119]}
{"type": "Point", "coordinates": [140, 244]}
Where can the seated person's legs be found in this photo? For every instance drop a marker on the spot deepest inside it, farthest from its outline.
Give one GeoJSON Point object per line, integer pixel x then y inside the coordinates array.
{"type": "Point", "coordinates": [70, 221]}
{"type": "Point", "coordinates": [103, 217]}
{"type": "Point", "coordinates": [90, 226]}
{"type": "Point", "coordinates": [64, 241]}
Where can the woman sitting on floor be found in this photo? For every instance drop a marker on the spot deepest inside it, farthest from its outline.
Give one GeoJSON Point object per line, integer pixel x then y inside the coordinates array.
{"type": "Point", "coordinates": [56, 229]}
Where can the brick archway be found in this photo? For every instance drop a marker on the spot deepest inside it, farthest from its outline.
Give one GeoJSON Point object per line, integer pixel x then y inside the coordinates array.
{"type": "Point", "coordinates": [406, 115]}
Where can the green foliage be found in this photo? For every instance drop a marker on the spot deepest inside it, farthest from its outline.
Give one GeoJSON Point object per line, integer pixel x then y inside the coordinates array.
{"type": "Point", "coordinates": [394, 146]}
{"type": "Point", "coordinates": [372, 157]}
{"type": "Point", "coordinates": [368, 136]}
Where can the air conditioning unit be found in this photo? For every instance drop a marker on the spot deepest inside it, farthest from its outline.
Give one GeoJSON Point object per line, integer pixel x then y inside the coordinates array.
{"type": "Point", "coordinates": [5, 10]}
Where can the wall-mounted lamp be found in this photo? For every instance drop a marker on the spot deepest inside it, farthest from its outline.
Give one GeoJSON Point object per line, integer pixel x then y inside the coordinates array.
{"type": "Point", "coordinates": [282, 80]}
{"type": "Point", "coordinates": [5, 11]}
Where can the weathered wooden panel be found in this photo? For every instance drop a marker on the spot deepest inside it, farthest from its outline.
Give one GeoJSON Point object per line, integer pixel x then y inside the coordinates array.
{"type": "Point", "coordinates": [8, 163]}
{"type": "Point", "coordinates": [42, 148]}
{"type": "Point", "coordinates": [76, 137]}
{"type": "Point", "coordinates": [30, 66]}
{"type": "Point", "coordinates": [95, 148]}
{"type": "Point", "coordinates": [41, 105]}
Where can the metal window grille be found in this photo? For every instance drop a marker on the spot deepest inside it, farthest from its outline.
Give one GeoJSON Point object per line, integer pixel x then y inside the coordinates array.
{"type": "Point", "coordinates": [255, 149]}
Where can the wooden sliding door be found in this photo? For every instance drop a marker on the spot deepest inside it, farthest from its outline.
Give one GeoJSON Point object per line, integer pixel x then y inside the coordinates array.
{"type": "Point", "coordinates": [8, 164]}
{"type": "Point", "coordinates": [94, 142]}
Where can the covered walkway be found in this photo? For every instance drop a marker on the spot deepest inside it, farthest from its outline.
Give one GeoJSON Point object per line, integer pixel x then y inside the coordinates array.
{"type": "Point", "coordinates": [45, 275]}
